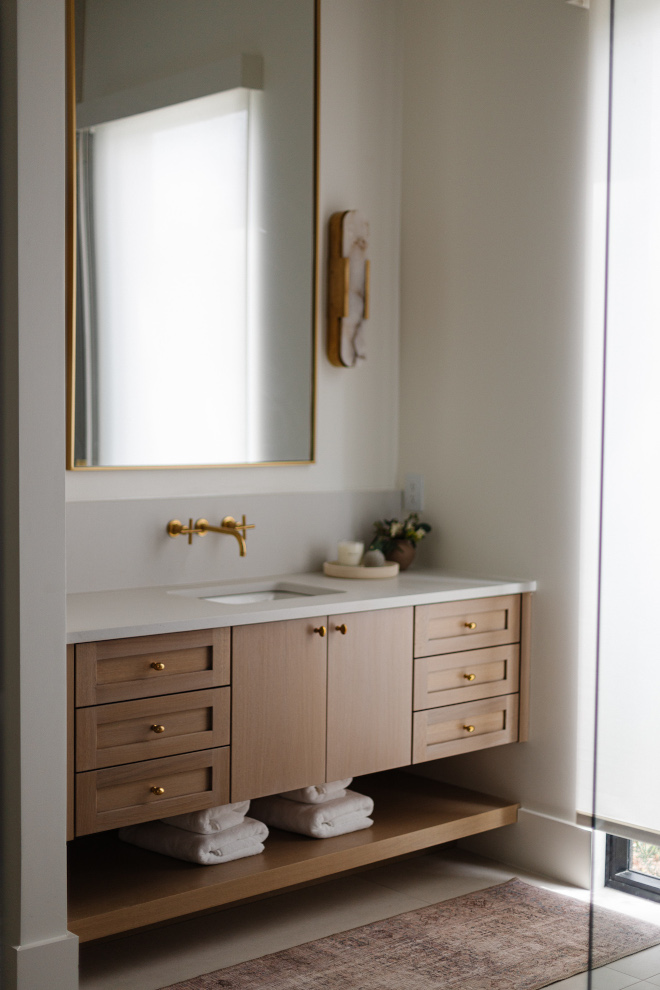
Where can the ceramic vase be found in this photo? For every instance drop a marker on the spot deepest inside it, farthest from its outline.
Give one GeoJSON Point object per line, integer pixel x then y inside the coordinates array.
{"type": "Point", "coordinates": [403, 552]}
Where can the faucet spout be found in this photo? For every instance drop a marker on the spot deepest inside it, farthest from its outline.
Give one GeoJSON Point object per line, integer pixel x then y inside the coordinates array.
{"type": "Point", "coordinates": [230, 527]}
{"type": "Point", "coordinates": [232, 531]}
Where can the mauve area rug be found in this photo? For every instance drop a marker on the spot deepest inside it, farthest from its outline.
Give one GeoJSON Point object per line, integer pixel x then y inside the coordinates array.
{"type": "Point", "coordinates": [510, 937]}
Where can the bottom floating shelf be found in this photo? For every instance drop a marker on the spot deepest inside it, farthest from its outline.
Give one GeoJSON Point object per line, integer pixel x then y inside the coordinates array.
{"type": "Point", "coordinates": [114, 887]}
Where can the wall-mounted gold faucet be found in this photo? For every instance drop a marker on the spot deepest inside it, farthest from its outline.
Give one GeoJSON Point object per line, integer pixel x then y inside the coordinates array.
{"type": "Point", "coordinates": [203, 526]}
{"type": "Point", "coordinates": [229, 526]}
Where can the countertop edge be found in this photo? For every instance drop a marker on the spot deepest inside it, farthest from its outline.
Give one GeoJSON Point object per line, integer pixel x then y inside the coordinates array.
{"type": "Point", "coordinates": [114, 614]}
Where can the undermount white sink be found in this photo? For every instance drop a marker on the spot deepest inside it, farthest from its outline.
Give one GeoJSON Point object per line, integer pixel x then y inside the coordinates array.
{"type": "Point", "coordinates": [250, 594]}
{"type": "Point", "coordinates": [248, 597]}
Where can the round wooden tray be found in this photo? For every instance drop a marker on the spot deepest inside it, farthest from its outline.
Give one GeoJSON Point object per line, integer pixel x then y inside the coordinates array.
{"type": "Point", "coordinates": [333, 569]}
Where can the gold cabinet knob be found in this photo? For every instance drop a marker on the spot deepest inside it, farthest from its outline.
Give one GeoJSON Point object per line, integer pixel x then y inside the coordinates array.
{"type": "Point", "coordinates": [470, 625]}
{"type": "Point", "coordinates": [158, 790]}
{"type": "Point", "coordinates": [321, 631]}
{"type": "Point", "coordinates": [469, 728]}
{"type": "Point", "coordinates": [469, 677]}
{"type": "Point", "coordinates": [158, 728]}
{"type": "Point", "coordinates": [157, 666]}
{"type": "Point", "coordinates": [342, 629]}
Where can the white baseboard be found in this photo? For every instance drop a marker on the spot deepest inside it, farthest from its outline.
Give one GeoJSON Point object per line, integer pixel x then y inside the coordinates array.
{"type": "Point", "coordinates": [52, 963]}
{"type": "Point", "coordinates": [539, 843]}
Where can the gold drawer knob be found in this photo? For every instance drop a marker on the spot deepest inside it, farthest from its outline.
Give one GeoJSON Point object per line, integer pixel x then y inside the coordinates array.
{"type": "Point", "coordinates": [158, 728]}
{"type": "Point", "coordinates": [470, 625]}
{"type": "Point", "coordinates": [469, 728]}
{"type": "Point", "coordinates": [321, 631]}
{"type": "Point", "coordinates": [157, 666]}
{"type": "Point", "coordinates": [469, 677]}
{"type": "Point", "coordinates": [342, 629]}
{"type": "Point", "coordinates": [158, 790]}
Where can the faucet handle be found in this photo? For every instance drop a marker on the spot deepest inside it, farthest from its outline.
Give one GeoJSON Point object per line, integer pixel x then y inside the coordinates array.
{"type": "Point", "coordinates": [231, 523]}
{"type": "Point", "coordinates": [228, 525]}
{"type": "Point", "coordinates": [176, 528]}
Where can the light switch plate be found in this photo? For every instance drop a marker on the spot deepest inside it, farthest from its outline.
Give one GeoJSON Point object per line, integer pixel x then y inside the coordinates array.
{"type": "Point", "coordinates": [413, 493]}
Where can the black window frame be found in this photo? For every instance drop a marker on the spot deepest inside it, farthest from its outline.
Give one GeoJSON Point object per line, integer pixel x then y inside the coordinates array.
{"type": "Point", "coordinates": [621, 877]}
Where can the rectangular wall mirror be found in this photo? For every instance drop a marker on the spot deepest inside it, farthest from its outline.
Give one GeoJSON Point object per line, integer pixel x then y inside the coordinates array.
{"type": "Point", "coordinates": [193, 149]}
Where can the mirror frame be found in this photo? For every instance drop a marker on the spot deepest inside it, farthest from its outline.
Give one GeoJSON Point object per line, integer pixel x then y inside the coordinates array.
{"type": "Point", "coordinates": [70, 270]}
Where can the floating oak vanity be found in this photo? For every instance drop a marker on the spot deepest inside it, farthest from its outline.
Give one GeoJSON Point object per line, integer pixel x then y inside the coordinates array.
{"type": "Point", "coordinates": [178, 703]}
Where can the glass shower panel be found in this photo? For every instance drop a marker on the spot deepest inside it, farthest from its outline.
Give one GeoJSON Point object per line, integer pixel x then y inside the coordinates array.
{"type": "Point", "coordinates": [627, 753]}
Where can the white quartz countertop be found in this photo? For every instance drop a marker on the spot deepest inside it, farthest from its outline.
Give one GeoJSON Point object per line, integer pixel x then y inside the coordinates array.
{"type": "Point", "coordinates": [100, 615]}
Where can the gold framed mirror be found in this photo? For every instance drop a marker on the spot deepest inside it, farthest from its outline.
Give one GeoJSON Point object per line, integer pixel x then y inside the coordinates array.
{"type": "Point", "coordinates": [192, 233]}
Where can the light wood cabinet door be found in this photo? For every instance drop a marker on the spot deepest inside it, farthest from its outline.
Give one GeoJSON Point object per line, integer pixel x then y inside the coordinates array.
{"type": "Point", "coordinates": [370, 673]}
{"type": "Point", "coordinates": [278, 707]}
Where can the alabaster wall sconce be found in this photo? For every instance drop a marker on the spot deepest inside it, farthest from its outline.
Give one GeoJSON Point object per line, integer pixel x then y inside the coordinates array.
{"type": "Point", "coordinates": [348, 287]}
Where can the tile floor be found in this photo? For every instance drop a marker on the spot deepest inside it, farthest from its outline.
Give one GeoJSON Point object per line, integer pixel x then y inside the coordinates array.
{"type": "Point", "coordinates": [155, 959]}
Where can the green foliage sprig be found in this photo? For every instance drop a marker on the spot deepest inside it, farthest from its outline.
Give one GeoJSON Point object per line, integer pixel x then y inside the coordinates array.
{"type": "Point", "coordinates": [388, 531]}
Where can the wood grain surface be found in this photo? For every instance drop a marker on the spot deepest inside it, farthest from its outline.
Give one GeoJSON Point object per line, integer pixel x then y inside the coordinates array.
{"type": "Point", "coordinates": [117, 796]}
{"type": "Point", "coordinates": [115, 887]}
{"type": "Point", "coordinates": [445, 680]}
{"type": "Point", "coordinates": [445, 627]}
{"type": "Point", "coordinates": [121, 669]}
{"type": "Point", "coordinates": [108, 735]}
{"type": "Point", "coordinates": [441, 732]}
{"type": "Point", "coordinates": [278, 707]}
{"type": "Point", "coordinates": [369, 692]}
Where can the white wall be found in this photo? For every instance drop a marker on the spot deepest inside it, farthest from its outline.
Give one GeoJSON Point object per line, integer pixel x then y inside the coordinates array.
{"type": "Point", "coordinates": [37, 952]}
{"type": "Point", "coordinates": [124, 543]}
{"type": "Point", "coordinates": [492, 244]}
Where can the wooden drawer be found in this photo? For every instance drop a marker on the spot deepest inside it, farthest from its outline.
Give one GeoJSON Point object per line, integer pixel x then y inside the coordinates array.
{"type": "Point", "coordinates": [466, 625]}
{"type": "Point", "coordinates": [147, 666]}
{"type": "Point", "coordinates": [443, 732]}
{"type": "Point", "coordinates": [151, 727]}
{"type": "Point", "coordinates": [123, 795]}
{"type": "Point", "coordinates": [453, 678]}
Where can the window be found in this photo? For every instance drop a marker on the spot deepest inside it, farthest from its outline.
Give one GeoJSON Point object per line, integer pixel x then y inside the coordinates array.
{"type": "Point", "coordinates": [633, 866]}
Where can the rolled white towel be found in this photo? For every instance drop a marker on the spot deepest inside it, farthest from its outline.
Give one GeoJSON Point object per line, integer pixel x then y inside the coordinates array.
{"type": "Point", "coordinates": [321, 821]}
{"type": "Point", "coordinates": [216, 847]}
{"type": "Point", "coordinates": [216, 819]}
{"type": "Point", "coordinates": [319, 793]}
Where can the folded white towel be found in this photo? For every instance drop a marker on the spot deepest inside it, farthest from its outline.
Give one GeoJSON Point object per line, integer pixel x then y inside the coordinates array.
{"type": "Point", "coordinates": [319, 793]}
{"type": "Point", "coordinates": [216, 819]}
{"type": "Point", "coordinates": [216, 847]}
{"type": "Point", "coordinates": [322, 821]}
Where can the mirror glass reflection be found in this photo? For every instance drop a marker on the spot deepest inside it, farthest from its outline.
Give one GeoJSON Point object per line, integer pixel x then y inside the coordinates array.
{"type": "Point", "coordinates": [196, 210]}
